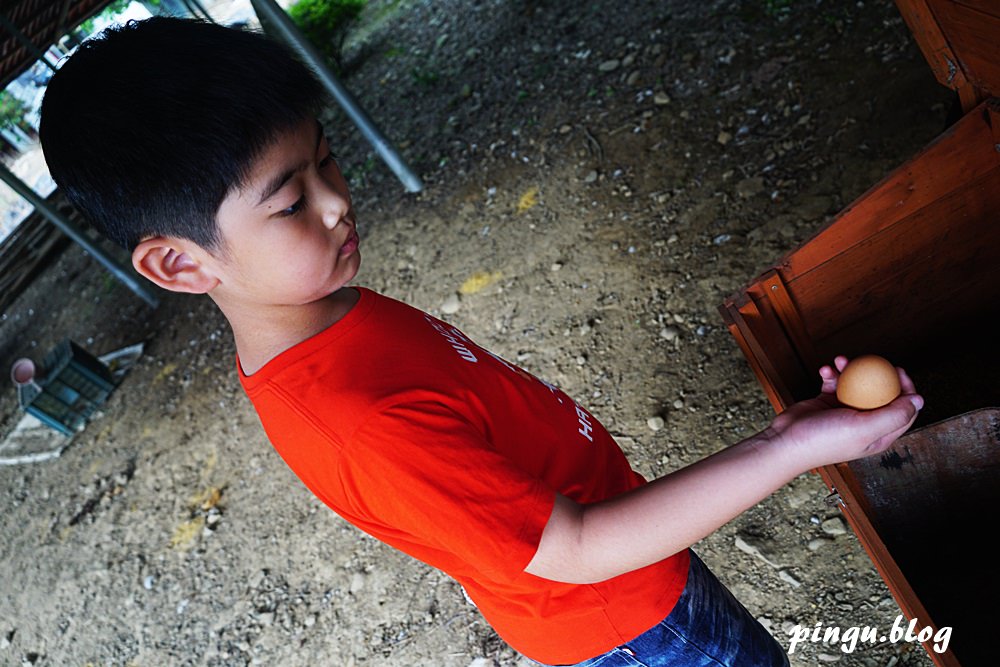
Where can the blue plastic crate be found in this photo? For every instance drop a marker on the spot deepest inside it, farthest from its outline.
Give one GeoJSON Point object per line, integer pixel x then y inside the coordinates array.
{"type": "Point", "coordinates": [74, 386]}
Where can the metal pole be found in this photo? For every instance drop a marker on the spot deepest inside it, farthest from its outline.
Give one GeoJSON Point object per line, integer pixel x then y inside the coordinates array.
{"type": "Point", "coordinates": [59, 220]}
{"type": "Point", "coordinates": [270, 11]}
{"type": "Point", "coordinates": [197, 10]}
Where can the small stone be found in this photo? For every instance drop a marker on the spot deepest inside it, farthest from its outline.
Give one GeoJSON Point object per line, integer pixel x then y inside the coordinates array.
{"type": "Point", "coordinates": [148, 581]}
{"type": "Point", "coordinates": [590, 177]}
{"type": "Point", "coordinates": [828, 657]}
{"type": "Point", "coordinates": [633, 78]}
{"type": "Point", "coordinates": [256, 579]}
{"type": "Point", "coordinates": [749, 187]}
{"type": "Point", "coordinates": [724, 137]}
{"type": "Point", "coordinates": [765, 623]}
{"type": "Point", "coordinates": [754, 548]}
{"type": "Point", "coordinates": [357, 583]}
{"type": "Point", "coordinates": [628, 60]}
{"type": "Point", "coordinates": [678, 404]}
{"type": "Point", "coordinates": [310, 620]}
{"type": "Point", "coordinates": [565, 129]}
{"type": "Point", "coordinates": [661, 99]}
{"type": "Point", "coordinates": [818, 543]}
{"type": "Point", "coordinates": [481, 662]}
{"type": "Point", "coordinates": [655, 423]}
{"type": "Point", "coordinates": [556, 266]}
{"type": "Point", "coordinates": [786, 577]}
{"type": "Point", "coordinates": [451, 304]}
{"type": "Point", "coordinates": [669, 333]}
{"type": "Point", "coordinates": [834, 526]}
{"type": "Point", "coordinates": [609, 65]}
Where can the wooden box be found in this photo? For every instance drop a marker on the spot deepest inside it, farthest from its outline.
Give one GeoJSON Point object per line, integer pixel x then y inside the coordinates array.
{"type": "Point", "coordinates": [911, 271]}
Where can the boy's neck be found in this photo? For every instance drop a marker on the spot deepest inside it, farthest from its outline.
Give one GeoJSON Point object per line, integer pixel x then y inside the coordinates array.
{"type": "Point", "coordinates": [262, 334]}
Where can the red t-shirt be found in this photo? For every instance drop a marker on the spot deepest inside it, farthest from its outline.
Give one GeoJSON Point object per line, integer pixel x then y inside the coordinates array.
{"type": "Point", "coordinates": [419, 437]}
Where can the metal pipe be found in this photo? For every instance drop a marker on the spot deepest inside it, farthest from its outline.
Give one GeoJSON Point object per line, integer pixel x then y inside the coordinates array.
{"type": "Point", "coordinates": [198, 10]}
{"type": "Point", "coordinates": [289, 32]}
{"type": "Point", "coordinates": [128, 278]}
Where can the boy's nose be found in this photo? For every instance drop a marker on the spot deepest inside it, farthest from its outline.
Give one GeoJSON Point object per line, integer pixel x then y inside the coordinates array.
{"type": "Point", "coordinates": [334, 207]}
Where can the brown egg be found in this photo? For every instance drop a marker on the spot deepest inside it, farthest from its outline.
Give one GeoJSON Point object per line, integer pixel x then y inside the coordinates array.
{"type": "Point", "coordinates": [868, 382]}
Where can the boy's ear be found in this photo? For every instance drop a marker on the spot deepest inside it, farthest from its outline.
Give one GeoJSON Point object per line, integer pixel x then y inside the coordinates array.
{"type": "Point", "coordinates": [170, 263]}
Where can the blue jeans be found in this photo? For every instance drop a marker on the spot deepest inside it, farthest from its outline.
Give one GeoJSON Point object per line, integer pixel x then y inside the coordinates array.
{"type": "Point", "coordinates": [708, 627]}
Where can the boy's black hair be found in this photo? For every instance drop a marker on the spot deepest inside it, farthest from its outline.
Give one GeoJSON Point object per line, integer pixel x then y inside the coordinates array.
{"type": "Point", "coordinates": [148, 126]}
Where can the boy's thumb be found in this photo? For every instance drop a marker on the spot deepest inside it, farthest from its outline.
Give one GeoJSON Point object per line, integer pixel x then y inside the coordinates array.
{"type": "Point", "coordinates": [896, 415]}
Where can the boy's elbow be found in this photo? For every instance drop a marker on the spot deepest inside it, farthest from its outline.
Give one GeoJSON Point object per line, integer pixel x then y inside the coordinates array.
{"type": "Point", "coordinates": [561, 554]}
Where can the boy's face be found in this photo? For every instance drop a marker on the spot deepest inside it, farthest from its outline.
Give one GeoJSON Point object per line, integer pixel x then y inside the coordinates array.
{"type": "Point", "coordinates": [289, 236]}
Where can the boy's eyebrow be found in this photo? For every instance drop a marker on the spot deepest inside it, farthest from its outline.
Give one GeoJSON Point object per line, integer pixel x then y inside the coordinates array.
{"type": "Point", "coordinates": [278, 181]}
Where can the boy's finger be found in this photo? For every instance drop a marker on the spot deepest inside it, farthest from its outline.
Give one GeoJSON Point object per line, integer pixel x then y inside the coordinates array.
{"type": "Point", "coordinates": [841, 362]}
{"type": "Point", "coordinates": [905, 383]}
{"type": "Point", "coordinates": [829, 377]}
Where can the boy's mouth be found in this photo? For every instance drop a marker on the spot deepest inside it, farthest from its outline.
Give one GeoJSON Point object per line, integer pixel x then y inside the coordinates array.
{"type": "Point", "coordinates": [351, 244]}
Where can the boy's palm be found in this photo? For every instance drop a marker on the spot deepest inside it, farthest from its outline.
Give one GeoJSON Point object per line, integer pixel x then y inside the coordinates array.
{"type": "Point", "coordinates": [820, 431]}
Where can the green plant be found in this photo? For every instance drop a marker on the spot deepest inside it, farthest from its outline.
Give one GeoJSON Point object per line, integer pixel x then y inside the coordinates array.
{"type": "Point", "coordinates": [116, 7]}
{"type": "Point", "coordinates": [425, 77]}
{"type": "Point", "coordinates": [12, 110]}
{"type": "Point", "coordinates": [357, 175]}
{"type": "Point", "coordinates": [325, 23]}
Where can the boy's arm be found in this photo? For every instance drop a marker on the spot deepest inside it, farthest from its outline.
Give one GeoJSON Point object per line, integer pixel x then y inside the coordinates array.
{"type": "Point", "coordinates": [591, 543]}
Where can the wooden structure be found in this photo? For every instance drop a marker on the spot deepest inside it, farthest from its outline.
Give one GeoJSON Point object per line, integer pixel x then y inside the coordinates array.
{"type": "Point", "coordinates": [25, 252]}
{"type": "Point", "coordinates": [28, 27]}
{"type": "Point", "coordinates": [911, 271]}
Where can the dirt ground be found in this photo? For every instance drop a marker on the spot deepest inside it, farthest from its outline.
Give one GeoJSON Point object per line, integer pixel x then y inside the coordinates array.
{"type": "Point", "coordinates": [605, 173]}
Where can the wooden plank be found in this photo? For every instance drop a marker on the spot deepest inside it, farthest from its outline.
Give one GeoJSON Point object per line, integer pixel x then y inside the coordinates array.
{"type": "Point", "coordinates": [841, 479]}
{"type": "Point", "coordinates": [788, 314]}
{"type": "Point", "coordinates": [986, 6]}
{"type": "Point", "coordinates": [938, 256]}
{"type": "Point", "coordinates": [773, 356]}
{"type": "Point", "coordinates": [21, 275]}
{"type": "Point", "coordinates": [993, 118]}
{"type": "Point", "coordinates": [932, 42]}
{"type": "Point", "coordinates": [23, 252]}
{"type": "Point", "coordinates": [751, 349]}
{"type": "Point", "coordinates": [964, 152]}
{"type": "Point", "coordinates": [974, 37]}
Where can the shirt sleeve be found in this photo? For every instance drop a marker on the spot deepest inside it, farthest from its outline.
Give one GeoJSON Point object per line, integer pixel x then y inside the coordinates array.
{"type": "Point", "coordinates": [427, 477]}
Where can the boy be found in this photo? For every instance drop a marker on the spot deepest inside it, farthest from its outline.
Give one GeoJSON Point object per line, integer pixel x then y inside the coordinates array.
{"type": "Point", "coordinates": [197, 148]}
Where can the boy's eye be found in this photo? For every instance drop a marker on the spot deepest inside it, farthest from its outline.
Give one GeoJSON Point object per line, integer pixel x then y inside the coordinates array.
{"type": "Point", "coordinates": [301, 203]}
{"type": "Point", "coordinates": [294, 208]}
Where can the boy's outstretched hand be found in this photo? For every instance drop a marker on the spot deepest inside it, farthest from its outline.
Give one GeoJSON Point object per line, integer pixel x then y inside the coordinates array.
{"type": "Point", "coordinates": [821, 431]}
{"type": "Point", "coordinates": [589, 543]}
